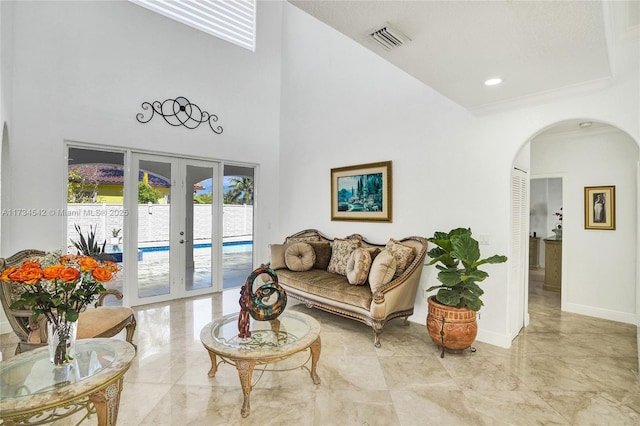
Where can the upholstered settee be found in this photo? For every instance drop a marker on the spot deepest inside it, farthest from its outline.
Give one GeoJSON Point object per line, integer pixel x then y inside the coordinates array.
{"type": "Point", "coordinates": [351, 277]}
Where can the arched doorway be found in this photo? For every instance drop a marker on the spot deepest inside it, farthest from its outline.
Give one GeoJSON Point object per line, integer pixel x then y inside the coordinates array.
{"type": "Point", "coordinates": [599, 268]}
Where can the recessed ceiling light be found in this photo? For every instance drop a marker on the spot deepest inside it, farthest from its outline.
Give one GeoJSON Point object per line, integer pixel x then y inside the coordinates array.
{"type": "Point", "coordinates": [493, 82]}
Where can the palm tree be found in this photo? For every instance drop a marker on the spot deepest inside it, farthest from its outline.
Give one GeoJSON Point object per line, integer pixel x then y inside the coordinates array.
{"type": "Point", "coordinates": [241, 191]}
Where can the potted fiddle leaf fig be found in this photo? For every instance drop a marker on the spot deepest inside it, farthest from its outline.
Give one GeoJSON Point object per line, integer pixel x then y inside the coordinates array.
{"type": "Point", "coordinates": [452, 310]}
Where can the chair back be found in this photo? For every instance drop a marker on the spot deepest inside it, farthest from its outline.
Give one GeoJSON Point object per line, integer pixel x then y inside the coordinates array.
{"type": "Point", "coordinates": [19, 319]}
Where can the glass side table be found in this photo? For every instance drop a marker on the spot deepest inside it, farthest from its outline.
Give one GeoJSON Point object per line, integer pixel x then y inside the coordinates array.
{"type": "Point", "coordinates": [34, 391]}
{"type": "Point", "coordinates": [270, 341]}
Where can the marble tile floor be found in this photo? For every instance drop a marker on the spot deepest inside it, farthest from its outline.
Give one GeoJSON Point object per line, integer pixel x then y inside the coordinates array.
{"type": "Point", "coordinates": [563, 369]}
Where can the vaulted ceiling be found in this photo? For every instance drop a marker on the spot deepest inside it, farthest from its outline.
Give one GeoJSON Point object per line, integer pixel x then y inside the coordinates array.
{"type": "Point", "coordinates": [538, 48]}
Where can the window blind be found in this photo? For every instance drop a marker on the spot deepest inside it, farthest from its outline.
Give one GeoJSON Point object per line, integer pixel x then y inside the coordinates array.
{"type": "Point", "coordinates": [230, 20]}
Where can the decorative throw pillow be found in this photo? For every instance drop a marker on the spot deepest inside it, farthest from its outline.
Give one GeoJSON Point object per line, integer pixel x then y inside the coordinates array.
{"type": "Point", "coordinates": [340, 252]}
{"type": "Point", "coordinates": [382, 270]}
{"type": "Point", "coordinates": [302, 239]}
{"type": "Point", "coordinates": [299, 257]}
{"type": "Point", "coordinates": [358, 266]}
{"type": "Point", "coordinates": [403, 253]}
{"type": "Point", "coordinates": [323, 254]}
{"type": "Point", "coordinates": [276, 259]}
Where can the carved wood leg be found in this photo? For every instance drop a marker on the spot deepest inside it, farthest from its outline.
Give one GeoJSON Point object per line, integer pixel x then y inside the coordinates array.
{"type": "Point", "coordinates": [245, 371]}
{"type": "Point", "coordinates": [214, 364]}
{"type": "Point", "coordinates": [131, 329]}
{"type": "Point", "coordinates": [107, 402]}
{"type": "Point", "coordinates": [376, 339]}
{"type": "Point", "coordinates": [315, 356]}
{"type": "Point", "coordinates": [377, 331]}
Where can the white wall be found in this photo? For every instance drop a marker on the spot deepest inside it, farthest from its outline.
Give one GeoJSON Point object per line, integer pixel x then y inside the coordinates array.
{"type": "Point", "coordinates": [598, 276]}
{"type": "Point", "coordinates": [343, 105]}
{"type": "Point", "coordinates": [80, 72]}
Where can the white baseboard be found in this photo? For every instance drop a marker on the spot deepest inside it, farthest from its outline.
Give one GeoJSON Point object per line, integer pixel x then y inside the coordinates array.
{"type": "Point", "coordinates": [501, 340]}
{"type": "Point", "coordinates": [625, 317]}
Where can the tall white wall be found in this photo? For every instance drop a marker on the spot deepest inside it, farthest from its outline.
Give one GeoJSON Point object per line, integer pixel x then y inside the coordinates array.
{"type": "Point", "coordinates": [598, 276]}
{"type": "Point", "coordinates": [80, 70]}
{"type": "Point", "coordinates": [343, 105]}
{"type": "Point", "coordinates": [81, 73]}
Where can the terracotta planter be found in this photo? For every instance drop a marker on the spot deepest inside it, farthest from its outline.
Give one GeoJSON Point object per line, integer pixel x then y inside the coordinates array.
{"type": "Point", "coordinates": [460, 326]}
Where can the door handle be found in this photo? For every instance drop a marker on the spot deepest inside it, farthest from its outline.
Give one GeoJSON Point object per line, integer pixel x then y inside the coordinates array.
{"type": "Point", "coordinates": [184, 241]}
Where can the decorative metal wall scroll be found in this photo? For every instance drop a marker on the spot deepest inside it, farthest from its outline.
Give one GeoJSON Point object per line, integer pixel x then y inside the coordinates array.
{"type": "Point", "coordinates": [179, 112]}
{"type": "Point", "coordinates": [257, 304]}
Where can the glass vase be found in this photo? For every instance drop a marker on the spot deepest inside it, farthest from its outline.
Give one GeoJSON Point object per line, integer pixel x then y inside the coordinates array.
{"type": "Point", "coordinates": [61, 340]}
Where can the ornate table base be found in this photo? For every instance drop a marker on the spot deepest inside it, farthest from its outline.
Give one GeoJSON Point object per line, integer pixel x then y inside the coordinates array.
{"type": "Point", "coordinates": [269, 342]}
{"type": "Point", "coordinates": [245, 371]}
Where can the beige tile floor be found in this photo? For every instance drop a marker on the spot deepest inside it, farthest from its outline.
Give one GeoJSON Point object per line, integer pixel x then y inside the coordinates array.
{"type": "Point", "coordinates": [563, 369]}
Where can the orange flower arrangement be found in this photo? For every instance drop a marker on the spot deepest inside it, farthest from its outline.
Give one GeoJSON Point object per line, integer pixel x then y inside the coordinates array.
{"type": "Point", "coordinates": [59, 287]}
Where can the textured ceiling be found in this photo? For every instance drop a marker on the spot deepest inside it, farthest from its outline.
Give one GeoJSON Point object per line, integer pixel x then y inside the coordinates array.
{"type": "Point", "coordinates": [536, 47]}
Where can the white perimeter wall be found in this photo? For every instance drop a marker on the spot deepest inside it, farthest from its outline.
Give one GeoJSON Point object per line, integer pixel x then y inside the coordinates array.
{"type": "Point", "coordinates": [343, 105]}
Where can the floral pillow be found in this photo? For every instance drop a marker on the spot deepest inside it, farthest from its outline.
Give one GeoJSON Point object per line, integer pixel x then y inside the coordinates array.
{"type": "Point", "coordinates": [340, 251]}
{"type": "Point", "coordinates": [403, 254]}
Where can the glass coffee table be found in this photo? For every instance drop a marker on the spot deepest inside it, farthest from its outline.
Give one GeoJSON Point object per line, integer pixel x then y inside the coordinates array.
{"type": "Point", "coordinates": [34, 391]}
{"type": "Point", "coordinates": [270, 341]}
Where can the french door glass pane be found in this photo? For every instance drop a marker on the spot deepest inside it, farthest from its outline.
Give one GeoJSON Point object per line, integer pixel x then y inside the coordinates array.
{"type": "Point", "coordinates": [154, 224]}
{"type": "Point", "coordinates": [95, 194]}
{"type": "Point", "coordinates": [237, 249]}
{"type": "Point", "coordinates": [198, 228]}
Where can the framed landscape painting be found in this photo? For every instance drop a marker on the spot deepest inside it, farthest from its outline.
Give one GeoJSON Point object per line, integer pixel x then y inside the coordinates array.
{"type": "Point", "coordinates": [361, 192]}
{"type": "Point", "coordinates": [600, 207]}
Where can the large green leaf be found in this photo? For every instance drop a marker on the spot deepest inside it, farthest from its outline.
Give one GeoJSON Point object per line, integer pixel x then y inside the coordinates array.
{"type": "Point", "coordinates": [492, 259]}
{"type": "Point", "coordinates": [465, 248]}
{"type": "Point", "coordinates": [441, 239]}
{"type": "Point", "coordinates": [474, 305]}
{"type": "Point", "coordinates": [448, 297]}
{"type": "Point", "coordinates": [450, 277]}
{"type": "Point", "coordinates": [472, 290]}
{"type": "Point", "coordinates": [474, 276]}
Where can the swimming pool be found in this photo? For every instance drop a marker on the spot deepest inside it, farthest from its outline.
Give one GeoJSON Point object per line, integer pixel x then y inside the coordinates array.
{"type": "Point", "coordinates": [227, 247]}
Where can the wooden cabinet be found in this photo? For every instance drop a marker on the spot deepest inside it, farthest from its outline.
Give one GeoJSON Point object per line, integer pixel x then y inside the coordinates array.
{"type": "Point", "coordinates": [534, 252]}
{"type": "Point", "coordinates": [552, 264]}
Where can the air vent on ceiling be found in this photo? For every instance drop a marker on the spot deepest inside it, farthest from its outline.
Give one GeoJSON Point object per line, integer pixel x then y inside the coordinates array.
{"type": "Point", "coordinates": [389, 37]}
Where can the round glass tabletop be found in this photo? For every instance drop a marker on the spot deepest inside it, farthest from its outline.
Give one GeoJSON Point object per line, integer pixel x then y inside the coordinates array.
{"type": "Point", "coordinates": [288, 332]}
{"type": "Point", "coordinates": [32, 372]}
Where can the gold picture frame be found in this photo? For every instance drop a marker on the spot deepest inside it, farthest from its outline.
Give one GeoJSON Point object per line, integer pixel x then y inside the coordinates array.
{"type": "Point", "coordinates": [600, 207]}
{"type": "Point", "coordinates": [362, 192]}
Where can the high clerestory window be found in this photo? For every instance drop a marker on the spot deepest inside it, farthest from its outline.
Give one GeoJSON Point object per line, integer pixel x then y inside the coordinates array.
{"type": "Point", "coordinates": [230, 20]}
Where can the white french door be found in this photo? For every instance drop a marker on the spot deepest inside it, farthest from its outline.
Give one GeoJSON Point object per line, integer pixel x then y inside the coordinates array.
{"type": "Point", "coordinates": [174, 228]}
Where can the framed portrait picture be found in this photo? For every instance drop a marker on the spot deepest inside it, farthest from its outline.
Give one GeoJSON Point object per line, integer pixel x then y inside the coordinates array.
{"type": "Point", "coordinates": [361, 192]}
{"type": "Point", "coordinates": [600, 207]}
